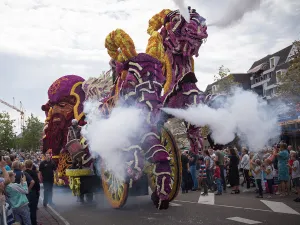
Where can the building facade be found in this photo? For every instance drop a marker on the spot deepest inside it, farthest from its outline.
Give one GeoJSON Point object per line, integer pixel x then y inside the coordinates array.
{"type": "Point", "coordinates": [264, 77]}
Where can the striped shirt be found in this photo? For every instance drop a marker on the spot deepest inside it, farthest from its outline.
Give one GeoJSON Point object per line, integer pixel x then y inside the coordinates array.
{"type": "Point", "coordinates": [202, 171]}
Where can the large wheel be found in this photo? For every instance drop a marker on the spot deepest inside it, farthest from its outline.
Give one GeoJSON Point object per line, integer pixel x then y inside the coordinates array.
{"type": "Point", "coordinates": [115, 190]}
{"type": "Point", "coordinates": [168, 141]}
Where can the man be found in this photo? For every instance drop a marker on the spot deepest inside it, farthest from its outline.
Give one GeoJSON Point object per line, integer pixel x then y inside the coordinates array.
{"type": "Point", "coordinates": [33, 193]}
{"type": "Point", "coordinates": [185, 174]}
{"type": "Point", "coordinates": [75, 133]}
{"type": "Point", "coordinates": [47, 170]}
{"type": "Point", "coordinates": [219, 157]}
{"type": "Point", "coordinates": [245, 166]}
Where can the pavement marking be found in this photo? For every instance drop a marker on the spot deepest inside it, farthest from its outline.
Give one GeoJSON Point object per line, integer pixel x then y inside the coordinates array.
{"type": "Point", "coordinates": [229, 206]}
{"type": "Point", "coordinates": [208, 200]}
{"type": "Point", "coordinates": [174, 204]}
{"type": "Point", "coordinates": [279, 207]}
{"type": "Point", "coordinates": [243, 220]}
{"type": "Point", "coordinates": [56, 213]}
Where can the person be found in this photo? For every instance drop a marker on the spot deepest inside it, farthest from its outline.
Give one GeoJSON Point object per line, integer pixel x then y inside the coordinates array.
{"type": "Point", "coordinates": [74, 133]}
{"type": "Point", "coordinates": [245, 166]}
{"type": "Point", "coordinates": [217, 177]}
{"type": "Point", "coordinates": [209, 169]}
{"type": "Point", "coordinates": [192, 165]}
{"type": "Point", "coordinates": [33, 195]}
{"type": "Point", "coordinates": [257, 176]}
{"type": "Point", "coordinates": [202, 176]}
{"type": "Point", "coordinates": [185, 169]}
{"type": "Point", "coordinates": [220, 159]}
{"type": "Point", "coordinates": [16, 194]}
{"type": "Point", "coordinates": [283, 171]}
{"type": "Point", "coordinates": [296, 175]}
{"type": "Point", "coordinates": [47, 171]}
{"type": "Point", "coordinates": [234, 177]}
{"type": "Point", "coordinates": [17, 169]}
{"type": "Point", "coordinates": [268, 169]}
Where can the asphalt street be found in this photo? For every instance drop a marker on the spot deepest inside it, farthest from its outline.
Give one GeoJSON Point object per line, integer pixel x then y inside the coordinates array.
{"type": "Point", "coordinates": [186, 209]}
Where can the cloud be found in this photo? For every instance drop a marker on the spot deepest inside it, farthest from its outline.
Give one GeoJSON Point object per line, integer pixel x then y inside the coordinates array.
{"type": "Point", "coordinates": [41, 40]}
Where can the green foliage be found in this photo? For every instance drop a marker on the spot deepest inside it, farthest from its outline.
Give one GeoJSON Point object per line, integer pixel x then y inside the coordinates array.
{"type": "Point", "coordinates": [32, 134]}
{"type": "Point", "coordinates": [7, 135]}
{"type": "Point", "coordinates": [289, 85]}
{"type": "Point", "coordinates": [224, 80]}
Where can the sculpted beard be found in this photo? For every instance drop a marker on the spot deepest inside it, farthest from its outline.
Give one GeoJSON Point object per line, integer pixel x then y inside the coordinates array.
{"type": "Point", "coordinates": [56, 131]}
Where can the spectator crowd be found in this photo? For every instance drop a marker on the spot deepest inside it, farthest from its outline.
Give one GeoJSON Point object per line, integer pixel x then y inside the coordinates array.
{"type": "Point", "coordinates": [20, 177]}
{"type": "Point", "coordinates": [272, 171]}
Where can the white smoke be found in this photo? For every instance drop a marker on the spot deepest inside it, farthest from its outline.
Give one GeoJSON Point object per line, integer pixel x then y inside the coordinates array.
{"type": "Point", "coordinates": [244, 113]}
{"type": "Point", "coordinates": [107, 136]}
{"type": "Point", "coordinates": [183, 9]}
{"type": "Point", "coordinates": [236, 10]}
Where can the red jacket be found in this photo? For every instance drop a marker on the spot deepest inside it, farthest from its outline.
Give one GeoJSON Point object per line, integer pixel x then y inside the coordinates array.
{"type": "Point", "coordinates": [217, 172]}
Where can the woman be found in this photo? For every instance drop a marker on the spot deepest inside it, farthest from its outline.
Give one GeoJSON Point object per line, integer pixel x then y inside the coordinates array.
{"type": "Point", "coordinates": [16, 194]}
{"type": "Point", "coordinates": [234, 177]}
{"type": "Point", "coordinates": [283, 169]}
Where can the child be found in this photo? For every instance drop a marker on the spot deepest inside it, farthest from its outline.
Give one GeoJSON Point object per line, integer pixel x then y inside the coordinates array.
{"type": "Point", "coordinates": [269, 176]}
{"type": "Point", "coordinates": [217, 177]}
{"type": "Point", "coordinates": [16, 194]}
{"type": "Point", "coordinates": [257, 176]}
{"type": "Point", "coordinates": [296, 174]}
{"type": "Point", "coordinates": [202, 176]}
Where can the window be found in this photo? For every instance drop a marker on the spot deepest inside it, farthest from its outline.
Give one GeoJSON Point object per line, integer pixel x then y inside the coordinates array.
{"type": "Point", "coordinates": [214, 89]}
{"type": "Point", "coordinates": [278, 74]}
{"type": "Point", "coordinates": [272, 62]}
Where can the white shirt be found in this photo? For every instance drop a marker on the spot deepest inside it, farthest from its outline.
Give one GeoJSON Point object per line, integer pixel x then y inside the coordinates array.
{"type": "Point", "coordinates": [270, 175]}
{"type": "Point", "coordinates": [245, 162]}
{"type": "Point", "coordinates": [296, 173]}
{"type": "Point", "coordinates": [257, 176]}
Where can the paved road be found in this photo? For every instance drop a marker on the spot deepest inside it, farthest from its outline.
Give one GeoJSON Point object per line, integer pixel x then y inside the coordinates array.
{"type": "Point", "coordinates": [186, 209]}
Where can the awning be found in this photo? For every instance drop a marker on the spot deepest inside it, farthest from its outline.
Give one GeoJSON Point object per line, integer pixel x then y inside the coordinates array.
{"type": "Point", "coordinates": [288, 122]}
{"type": "Point", "coordinates": [262, 66]}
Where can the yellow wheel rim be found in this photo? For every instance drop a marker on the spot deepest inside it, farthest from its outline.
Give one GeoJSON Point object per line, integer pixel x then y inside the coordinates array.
{"type": "Point", "coordinates": [168, 141]}
{"type": "Point", "coordinates": [115, 190]}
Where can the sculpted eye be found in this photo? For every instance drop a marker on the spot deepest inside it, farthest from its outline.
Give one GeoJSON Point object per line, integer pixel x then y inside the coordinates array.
{"type": "Point", "coordinates": [175, 19]}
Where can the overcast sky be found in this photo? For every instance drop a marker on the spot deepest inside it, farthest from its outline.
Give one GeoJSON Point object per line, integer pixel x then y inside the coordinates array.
{"type": "Point", "coordinates": [42, 40]}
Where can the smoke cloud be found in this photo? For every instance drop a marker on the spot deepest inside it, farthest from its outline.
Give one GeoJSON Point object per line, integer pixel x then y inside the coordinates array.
{"type": "Point", "coordinates": [236, 11]}
{"type": "Point", "coordinates": [183, 9]}
{"type": "Point", "coordinates": [107, 136]}
{"type": "Point", "coordinates": [243, 113]}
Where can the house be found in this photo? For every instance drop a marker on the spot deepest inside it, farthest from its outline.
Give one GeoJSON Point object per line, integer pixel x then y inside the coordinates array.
{"type": "Point", "coordinates": [264, 72]}
{"type": "Point", "coordinates": [242, 78]}
{"type": "Point", "coordinates": [264, 81]}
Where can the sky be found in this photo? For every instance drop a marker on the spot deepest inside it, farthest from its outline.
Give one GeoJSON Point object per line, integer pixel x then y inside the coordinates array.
{"type": "Point", "coordinates": [42, 40]}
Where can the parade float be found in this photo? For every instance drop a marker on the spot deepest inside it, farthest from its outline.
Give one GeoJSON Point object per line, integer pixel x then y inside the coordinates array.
{"type": "Point", "coordinates": [163, 76]}
{"type": "Point", "coordinates": [140, 78]}
{"type": "Point", "coordinates": [66, 104]}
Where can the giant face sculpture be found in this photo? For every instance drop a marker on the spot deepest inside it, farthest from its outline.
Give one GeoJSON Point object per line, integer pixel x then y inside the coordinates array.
{"type": "Point", "coordinates": [182, 37]}
{"type": "Point", "coordinates": [65, 103]}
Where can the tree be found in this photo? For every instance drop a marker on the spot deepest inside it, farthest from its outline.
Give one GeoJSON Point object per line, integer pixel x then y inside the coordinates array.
{"type": "Point", "coordinates": [224, 80]}
{"type": "Point", "coordinates": [32, 134]}
{"type": "Point", "coordinates": [289, 82]}
{"type": "Point", "coordinates": [7, 135]}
